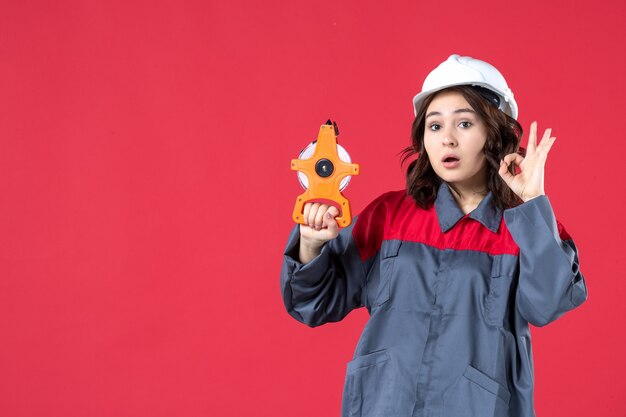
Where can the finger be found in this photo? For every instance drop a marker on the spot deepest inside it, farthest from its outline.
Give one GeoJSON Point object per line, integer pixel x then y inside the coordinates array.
{"type": "Point", "coordinates": [549, 142]}
{"type": "Point", "coordinates": [532, 138]}
{"type": "Point", "coordinates": [305, 214]}
{"type": "Point", "coordinates": [544, 139]}
{"type": "Point", "coordinates": [312, 213]}
{"type": "Point", "coordinates": [515, 158]}
{"type": "Point", "coordinates": [319, 217]}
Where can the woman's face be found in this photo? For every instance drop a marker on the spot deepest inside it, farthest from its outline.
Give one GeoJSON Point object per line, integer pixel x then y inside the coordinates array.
{"type": "Point", "coordinates": [454, 138]}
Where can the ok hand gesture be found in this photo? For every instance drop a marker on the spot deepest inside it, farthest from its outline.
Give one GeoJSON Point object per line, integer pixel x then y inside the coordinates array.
{"type": "Point", "coordinates": [528, 183]}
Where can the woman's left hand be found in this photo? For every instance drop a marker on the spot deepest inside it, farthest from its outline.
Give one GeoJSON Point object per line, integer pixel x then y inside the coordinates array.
{"type": "Point", "coordinates": [528, 183]}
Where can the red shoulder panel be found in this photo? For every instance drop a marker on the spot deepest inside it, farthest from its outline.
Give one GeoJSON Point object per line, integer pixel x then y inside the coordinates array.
{"type": "Point", "coordinates": [396, 216]}
{"type": "Point", "coordinates": [368, 231]}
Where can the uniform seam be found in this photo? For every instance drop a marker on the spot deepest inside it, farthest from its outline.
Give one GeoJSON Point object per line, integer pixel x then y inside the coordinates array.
{"type": "Point", "coordinates": [444, 247]}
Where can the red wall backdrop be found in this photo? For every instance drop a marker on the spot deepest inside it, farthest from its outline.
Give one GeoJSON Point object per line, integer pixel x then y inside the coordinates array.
{"type": "Point", "coordinates": [145, 190]}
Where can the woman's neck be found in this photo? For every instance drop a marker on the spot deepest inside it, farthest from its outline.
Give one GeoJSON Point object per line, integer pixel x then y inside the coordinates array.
{"type": "Point", "coordinates": [468, 197]}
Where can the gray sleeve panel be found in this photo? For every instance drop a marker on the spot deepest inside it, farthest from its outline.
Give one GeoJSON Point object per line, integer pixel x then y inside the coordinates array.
{"type": "Point", "coordinates": [327, 288]}
{"type": "Point", "coordinates": [550, 281]}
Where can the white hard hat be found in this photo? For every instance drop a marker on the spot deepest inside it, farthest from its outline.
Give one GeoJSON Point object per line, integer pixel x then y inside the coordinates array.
{"type": "Point", "coordinates": [464, 70]}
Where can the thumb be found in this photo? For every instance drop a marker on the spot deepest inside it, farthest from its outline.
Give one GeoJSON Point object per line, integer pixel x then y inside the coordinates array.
{"type": "Point", "coordinates": [332, 229]}
{"type": "Point", "coordinates": [332, 211]}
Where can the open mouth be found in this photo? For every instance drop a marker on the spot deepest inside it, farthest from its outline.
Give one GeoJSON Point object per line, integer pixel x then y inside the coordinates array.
{"type": "Point", "coordinates": [450, 161]}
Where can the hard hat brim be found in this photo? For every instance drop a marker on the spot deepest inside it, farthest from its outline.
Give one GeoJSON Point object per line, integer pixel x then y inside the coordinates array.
{"type": "Point", "coordinates": [507, 104]}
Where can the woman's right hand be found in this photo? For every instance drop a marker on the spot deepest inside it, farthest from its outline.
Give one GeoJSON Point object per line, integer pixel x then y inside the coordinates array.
{"type": "Point", "coordinates": [320, 227]}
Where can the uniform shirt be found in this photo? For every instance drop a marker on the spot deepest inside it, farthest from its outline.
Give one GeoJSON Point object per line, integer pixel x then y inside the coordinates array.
{"type": "Point", "coordinates": [450, 298]}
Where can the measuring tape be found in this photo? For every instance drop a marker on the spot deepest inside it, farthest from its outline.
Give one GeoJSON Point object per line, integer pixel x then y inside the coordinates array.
{"type": "Point", "coordinates": [324, 170]}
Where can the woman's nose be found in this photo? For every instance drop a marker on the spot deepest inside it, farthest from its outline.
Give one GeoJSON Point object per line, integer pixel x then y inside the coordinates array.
{"type": "Point", "coordinates": [448, 138]}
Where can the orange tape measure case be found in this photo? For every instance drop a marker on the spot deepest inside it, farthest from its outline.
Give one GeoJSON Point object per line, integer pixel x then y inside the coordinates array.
{"type": "Point", "coordinates": [326, 174]}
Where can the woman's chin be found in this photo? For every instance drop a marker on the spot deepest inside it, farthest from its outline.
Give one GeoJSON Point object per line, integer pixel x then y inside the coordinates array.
{"type": "Point", "coordinates": [460, 177]}
{"type": "Point", "coordinates": [452, 177]}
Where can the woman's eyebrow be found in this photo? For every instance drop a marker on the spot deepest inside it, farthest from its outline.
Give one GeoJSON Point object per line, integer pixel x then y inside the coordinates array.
{"type": "Point", "coordinates": [464, 110]}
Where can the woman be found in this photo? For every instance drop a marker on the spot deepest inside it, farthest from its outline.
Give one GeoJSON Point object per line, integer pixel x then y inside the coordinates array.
{"type": "Point", "coordinates": [452, 269]}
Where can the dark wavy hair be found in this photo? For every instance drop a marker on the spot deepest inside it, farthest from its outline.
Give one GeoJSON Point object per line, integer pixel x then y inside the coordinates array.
{"type": "Point", "coordinates": [503, 137]}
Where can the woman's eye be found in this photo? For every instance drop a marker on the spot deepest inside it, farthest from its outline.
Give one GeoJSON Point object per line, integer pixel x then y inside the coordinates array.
{"type": "Point", "coordinates": [465, 125]}
{"type": "Point", "coordinates": [435, 127]}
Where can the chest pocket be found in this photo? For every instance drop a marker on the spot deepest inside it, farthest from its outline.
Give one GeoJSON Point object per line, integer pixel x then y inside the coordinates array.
{"type": "Point", "coordinates": [388, 259]}
{"type": "Point", "coordinates": [501, 283]}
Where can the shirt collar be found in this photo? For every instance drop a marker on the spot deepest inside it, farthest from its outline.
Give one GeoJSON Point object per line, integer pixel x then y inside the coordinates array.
{"type": "Point", "coordinates": [449, 213]}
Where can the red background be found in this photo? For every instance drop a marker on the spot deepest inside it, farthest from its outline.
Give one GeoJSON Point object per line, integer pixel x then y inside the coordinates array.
{"type": "Point", "coordinates": [146, 193]}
